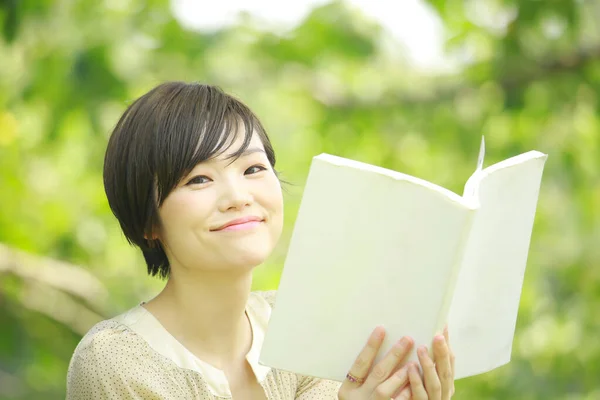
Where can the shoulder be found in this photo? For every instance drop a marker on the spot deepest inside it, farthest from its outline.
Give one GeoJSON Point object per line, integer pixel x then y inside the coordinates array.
{"type": "Point", "coordinates": [107, 343]}
{"type": "Point", "coordinates": [113, 361]}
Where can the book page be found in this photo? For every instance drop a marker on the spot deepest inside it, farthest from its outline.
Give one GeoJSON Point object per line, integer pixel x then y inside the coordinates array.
{"type": "Point", "coordinates": [484, 308]}
{"type": "Point", "coordinates": [368, 249]}
{"type": "Point", "coordinates": [473, 182]}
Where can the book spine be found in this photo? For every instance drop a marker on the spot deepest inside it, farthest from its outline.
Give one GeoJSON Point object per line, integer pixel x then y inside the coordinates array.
{"type": "Point", "coordinates": [442, 318]}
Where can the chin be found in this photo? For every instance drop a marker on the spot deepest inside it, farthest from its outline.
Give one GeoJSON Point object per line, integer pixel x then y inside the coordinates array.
{"type": "Point", "coordinates": [252, 259]}
{"type": "Point", "coordinates": [250, 255]}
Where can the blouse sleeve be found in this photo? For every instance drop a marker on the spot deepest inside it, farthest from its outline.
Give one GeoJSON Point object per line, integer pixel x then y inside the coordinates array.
{"type": "Point", "coordinates": [112, 365]}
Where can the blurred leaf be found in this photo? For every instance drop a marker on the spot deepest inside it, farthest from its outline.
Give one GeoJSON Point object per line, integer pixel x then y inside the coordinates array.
{"type": "Point", "coordinates": [529, 78]}
{"type": "Point", "coordinates": [10, 23]}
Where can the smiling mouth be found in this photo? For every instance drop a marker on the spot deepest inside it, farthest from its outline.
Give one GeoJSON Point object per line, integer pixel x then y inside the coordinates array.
{"type": "Point", "coordinates": [241, 224]}
{"type": "Point", "coordinates": [240, 227]}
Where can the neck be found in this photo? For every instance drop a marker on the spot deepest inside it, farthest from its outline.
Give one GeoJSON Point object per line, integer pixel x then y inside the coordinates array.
{"type": "Point", "coordinates": [206, 312]}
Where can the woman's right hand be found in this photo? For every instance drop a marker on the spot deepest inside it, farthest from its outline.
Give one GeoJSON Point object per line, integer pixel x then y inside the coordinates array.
{"type": "Point", "coordinates": [382, 381]}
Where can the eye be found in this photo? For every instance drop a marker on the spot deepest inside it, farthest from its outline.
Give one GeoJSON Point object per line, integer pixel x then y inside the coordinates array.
{"type": "Point", "coordinates": [254, 169]}
{"type": "Point", "coordinates": [199, 180]}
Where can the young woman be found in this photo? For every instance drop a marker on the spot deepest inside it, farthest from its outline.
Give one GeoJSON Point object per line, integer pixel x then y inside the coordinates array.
{"type": "Point", "coordinates": [189, 174]}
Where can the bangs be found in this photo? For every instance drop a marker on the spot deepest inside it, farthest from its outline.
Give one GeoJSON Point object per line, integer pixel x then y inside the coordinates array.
{"type": "Point", "coordinates": [201, 124]}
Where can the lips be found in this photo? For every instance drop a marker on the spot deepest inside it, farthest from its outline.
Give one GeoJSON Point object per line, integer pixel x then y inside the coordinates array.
{"type": "Point", "coordinates": [239, 223]}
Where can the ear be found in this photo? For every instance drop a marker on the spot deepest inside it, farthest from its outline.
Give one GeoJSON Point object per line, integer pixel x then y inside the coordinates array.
{"type": "Point", "coordinates": [152, 236]}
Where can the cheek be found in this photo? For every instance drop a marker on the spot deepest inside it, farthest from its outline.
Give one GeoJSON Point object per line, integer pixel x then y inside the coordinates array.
{"type": "Point", "coordinates": [274, 195]}
{"type": "Point", "coordinates": [183, 210]}
{"type": "Point", "coordinates": [276, 206]}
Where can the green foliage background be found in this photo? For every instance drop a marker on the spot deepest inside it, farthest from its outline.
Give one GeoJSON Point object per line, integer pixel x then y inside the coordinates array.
{"type": "Point", "coordinates": [337, 83]}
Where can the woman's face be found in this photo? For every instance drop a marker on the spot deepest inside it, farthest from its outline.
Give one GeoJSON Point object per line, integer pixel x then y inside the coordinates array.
{"type": "Point", "coordinates": [226, 214]}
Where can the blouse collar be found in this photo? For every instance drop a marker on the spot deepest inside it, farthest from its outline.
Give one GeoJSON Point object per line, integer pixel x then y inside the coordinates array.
{"type": "Point", "coordinates": [142, 322]}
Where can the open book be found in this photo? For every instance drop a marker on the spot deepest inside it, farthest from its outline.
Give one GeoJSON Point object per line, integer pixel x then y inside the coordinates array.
{"type": "Point", "coordinates": [373, 247]}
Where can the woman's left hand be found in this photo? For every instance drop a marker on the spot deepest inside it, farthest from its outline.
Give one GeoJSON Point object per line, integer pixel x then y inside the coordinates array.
{"type": "Point", "coordinates": [437, 382]}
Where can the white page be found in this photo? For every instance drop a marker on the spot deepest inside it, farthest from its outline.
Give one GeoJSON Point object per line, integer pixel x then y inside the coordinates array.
{"type": "Point", "coordinates": [484, 308]}
{"type": "Point", "coordinates": [369, 247]}
{"type": "Point", "coordinates": [473, 182]}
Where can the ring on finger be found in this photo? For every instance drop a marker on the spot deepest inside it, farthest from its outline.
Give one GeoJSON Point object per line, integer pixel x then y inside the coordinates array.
{"type": "Point", "coordinates": [354, 379]}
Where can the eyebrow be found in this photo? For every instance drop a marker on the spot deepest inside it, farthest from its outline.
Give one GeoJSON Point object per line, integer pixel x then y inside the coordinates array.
{"type": "Point", "coordinates": [251, 150]}
{"type": "Point", "coordinates": [247, 152]}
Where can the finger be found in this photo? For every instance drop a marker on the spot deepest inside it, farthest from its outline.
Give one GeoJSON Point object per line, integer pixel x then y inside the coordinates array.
{"type": "Point", "coordinates": [365, 358]}
{"type": "Point", "coordinates": [446, 335]}
{"type": "Point", "coordinates": [416, 384]}
{"type": "Point", "coordinates": [384, 368]}
{"type": "Point", "coordinates": [452, 358]}
{"type": "Point", "coordinates": [405, 394]}
{"type": "Point", "coordinates": [430, 376]}
{"type": "Point", "coordinates": [392, 385]}
{"type": "Point", "coordinates": [441, 355]}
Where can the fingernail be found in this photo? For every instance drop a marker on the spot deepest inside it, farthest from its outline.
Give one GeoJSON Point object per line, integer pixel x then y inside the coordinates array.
{"type": "Point", "coordinates": [379, 331]}
{"type": "Point", "coordinates": [422, 351]}
{"type": "Point", "coordinates": [439, 339]}
{"type": "Point", "coordinates": [404, 342]}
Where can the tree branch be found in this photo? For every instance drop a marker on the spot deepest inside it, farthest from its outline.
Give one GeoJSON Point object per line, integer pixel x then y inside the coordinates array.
{"type": "Point", "coordinates": [56, 276]}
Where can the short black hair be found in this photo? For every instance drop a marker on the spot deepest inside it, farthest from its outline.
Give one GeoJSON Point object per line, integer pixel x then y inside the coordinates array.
{"type": "Point", "coordinates": [157, 141]}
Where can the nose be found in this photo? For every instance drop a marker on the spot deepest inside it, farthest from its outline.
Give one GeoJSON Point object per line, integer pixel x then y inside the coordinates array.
{"type": "Point", "coordinates": [234, 196]}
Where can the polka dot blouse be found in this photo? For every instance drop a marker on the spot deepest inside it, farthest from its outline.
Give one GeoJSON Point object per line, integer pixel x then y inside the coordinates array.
{"type": "Point", "coordinates": [132, 356]}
